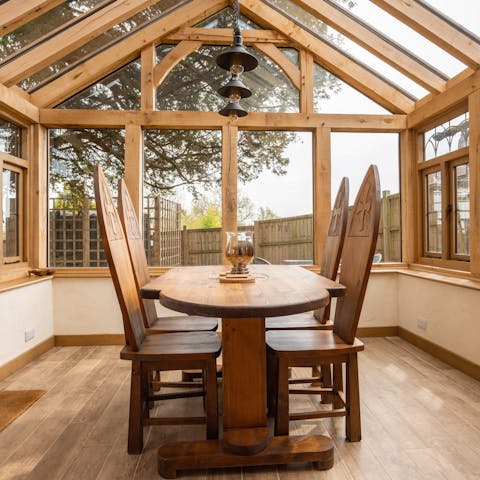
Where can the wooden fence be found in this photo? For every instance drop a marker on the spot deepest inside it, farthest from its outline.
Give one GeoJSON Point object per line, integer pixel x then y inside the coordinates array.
{"type": "Point", "coordinates": [75, 241]}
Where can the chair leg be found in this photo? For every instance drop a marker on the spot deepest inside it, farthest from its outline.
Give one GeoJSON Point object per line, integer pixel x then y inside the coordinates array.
{"type": "Point", "coordinates": [272, 372]}
{"type": "Point", "coordinates": [353, 426]}
{"type": "Point", "coordinates": [326, 372]}
{"type": "Point", "coordinates": [337, 384]}
{"type": "Point", "coordinates": [282, 401]}
{"type": "Point", "coordinates": [211, 398]}
{"type": "Point", "coordinates": [135, 423]}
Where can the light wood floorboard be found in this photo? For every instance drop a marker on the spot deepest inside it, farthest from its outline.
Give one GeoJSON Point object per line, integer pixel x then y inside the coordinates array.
{"type": "Point", "coordinates": [420, 420]}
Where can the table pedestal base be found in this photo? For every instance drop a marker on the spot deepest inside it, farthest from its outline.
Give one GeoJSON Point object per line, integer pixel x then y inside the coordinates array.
{"type": "Point", "coordinates": [211, 454]}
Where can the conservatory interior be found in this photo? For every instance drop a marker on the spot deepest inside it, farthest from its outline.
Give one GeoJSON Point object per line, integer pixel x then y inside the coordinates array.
{"type": "Point", "coordinates": [95, 91]}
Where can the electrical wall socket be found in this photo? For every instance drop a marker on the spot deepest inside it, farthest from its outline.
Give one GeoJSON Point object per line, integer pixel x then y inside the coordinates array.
{"type": "Point", "coordinates": [421, 323]}
{"type": "Point", "coordinates": [29, 334]}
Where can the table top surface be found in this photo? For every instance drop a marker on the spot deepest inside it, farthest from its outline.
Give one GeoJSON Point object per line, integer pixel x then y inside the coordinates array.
{"type": "Point", "coordinates": [278, 290]}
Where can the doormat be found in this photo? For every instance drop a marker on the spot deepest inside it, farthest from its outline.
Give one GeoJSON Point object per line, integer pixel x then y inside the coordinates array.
{"type": "Point", "coordinates": [14, 402]}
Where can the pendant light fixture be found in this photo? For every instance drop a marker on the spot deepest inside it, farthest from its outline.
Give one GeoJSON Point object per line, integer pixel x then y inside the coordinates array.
{"type": "Point", "coordinates": [235, 60]}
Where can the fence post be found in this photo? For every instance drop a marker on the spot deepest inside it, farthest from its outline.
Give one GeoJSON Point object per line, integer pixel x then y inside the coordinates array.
{"type": "Point", "coordinates": [85, 231]}
{"type": "Point", "coordinates": [184, 253]}
{"type": "Point", "coordinates": [386, 225]}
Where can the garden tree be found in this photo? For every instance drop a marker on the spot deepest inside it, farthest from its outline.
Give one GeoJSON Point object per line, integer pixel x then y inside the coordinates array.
{"type": "Point", "coordinates": [266, 213]}
{"type": "Point", "coordinates": [180, 158]}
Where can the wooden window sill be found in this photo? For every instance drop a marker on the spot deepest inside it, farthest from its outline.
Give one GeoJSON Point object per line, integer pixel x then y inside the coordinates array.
{"type": "Point", "coordinates": [22, 282]}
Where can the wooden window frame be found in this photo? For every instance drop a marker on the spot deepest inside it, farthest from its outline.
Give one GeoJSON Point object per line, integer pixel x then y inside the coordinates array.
{"type": "Point", "coordinates": [444, 164]}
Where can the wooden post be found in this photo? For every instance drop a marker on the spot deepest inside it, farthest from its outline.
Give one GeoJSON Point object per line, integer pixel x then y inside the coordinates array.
{"type": "Point", "coordinates": [386, 219]}
{"type": "Point", "coordinates": [474, 161]}
{"type": "Point", "coordinates": [134, 167]}
{"type": "Point", "coordinates": [37, 211]}
{"type": "Point", "coordinates": [322, 195]}
{"type": "Point", "coordinates": [229, 183]}
{"type": "Point", "coordinates": [185, 253]}
{"type": "Point", "coordinates": [148, 58]}
{"type": "Point", "coordinates": [409, 201]}
{"type": "Point", "coordinates": [306, 77]}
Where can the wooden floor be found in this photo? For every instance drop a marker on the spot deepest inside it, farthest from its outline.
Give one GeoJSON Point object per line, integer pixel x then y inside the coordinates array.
{"type": "Point", "coordinates": [420, 419]}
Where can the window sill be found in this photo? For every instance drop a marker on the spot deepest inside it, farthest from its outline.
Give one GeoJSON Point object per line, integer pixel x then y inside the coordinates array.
{"type": "Point", "coordinates": [22, 282]}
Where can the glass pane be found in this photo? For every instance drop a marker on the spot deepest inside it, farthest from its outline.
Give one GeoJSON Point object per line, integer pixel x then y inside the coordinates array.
{"type": "Point", "coordinates": [434, 212]}
{"type": "Point", "coordinates": [352, 154]}
{"type": "Point", "coordinates": [193, 84]}
{"type": "Point", "coordinates": [409, 38]}
{"type": "Point", "coordinates": [462, 209]}
{"type": "Point", "coordinates": [10, 138]}
{"type": "Point", "coordinates": [224, 19]}
{"type": "Point", "coordinates": [10, 220]}
{"type": "Point", "coordinates": [447, 137]}
{"type": "Point", "coordinates": [182, 197]}
{"type": "Point", "coordinates": [72, 212]}
{"type": "Point", "coordinates": [275, 197]}
{"type": "Point", "coordinates": [332, 95]}
{"type": "Point", "coordinates": [43, 25]}
{"type": "Point", "coordinates": [118, 91]}
{"type": "Point", "coordinates": [347, 46]}
{"type": "Point", "coordinates": [101, 42]}
{"type": "Point", "coordinates": [292, 54]}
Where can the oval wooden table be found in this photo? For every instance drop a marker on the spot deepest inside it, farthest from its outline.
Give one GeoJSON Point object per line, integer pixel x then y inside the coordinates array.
{"type": "Point", "coordinates": [278, 290]}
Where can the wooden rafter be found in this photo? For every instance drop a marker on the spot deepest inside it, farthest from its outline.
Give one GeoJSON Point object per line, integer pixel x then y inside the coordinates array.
{"type": "Point", "coordinates": [13, 102]}
{"type": "Point", "coordinates": [121, 53]}
{"type": "Point", "coordinates": [276, 55]}
{"type": "Point", "coordinates": [62, 118]}
{"type": "Point", "coordinates": [370, 39]}
{"type": "Point", "coordinates": [333, 60]}
{"type": "Point", "coordinates": [15, 13]}
{"type": "Point", "coordinates": [177, 54]}
{"type": "Point", "coordinates": [69, 40]}
{"type": "Point", "coordinates": [223, 36]}
{"type": "Point", "coordinates": [440, 30]}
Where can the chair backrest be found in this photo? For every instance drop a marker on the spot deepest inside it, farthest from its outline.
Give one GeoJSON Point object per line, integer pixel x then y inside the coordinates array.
{"type": "Point", "coordinates": [357, 255]}
{"type": "Point", "coordinates": [332, 250]}
{"type": "Point", "coordinates": [118, 257]}
{"type": "Point", "coordinates": [136, 247]}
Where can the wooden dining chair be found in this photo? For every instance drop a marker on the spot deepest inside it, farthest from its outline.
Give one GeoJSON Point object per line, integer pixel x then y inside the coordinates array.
{"type": "Point", "coordinates": [307, 348]}
{"type": "Point", "coordinates": [153, 323]}
{"type": "Point", "coordinates": [167, 351]}
{"type": "Point", "coordinates": [319, 319]}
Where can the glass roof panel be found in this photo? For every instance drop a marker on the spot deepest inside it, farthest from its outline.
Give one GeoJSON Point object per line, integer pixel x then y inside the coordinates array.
{"type": "Point", "coordinates": [224, 19]}
{"type": "Point", "coordinates": [464, 12]}
{"type": "Point", "coordinates": [331, 95]}
{"type": "Point", "coordinates": [407, 37]}
{"type": "Point", "coordinates": [119, 91]}
{"type": "Point", "coordinates": [350, 48]}
{"type": "Point", "coordinates": [44, 24]}
{"type": "Point", "coordinates": [99, 43]}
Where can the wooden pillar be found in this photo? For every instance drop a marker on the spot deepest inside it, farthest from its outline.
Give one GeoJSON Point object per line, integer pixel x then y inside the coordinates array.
{"type": "Point", "coordinates": [134, 167]}
{"type": "Point", "coordinates": [474, 160]}
{"type": "Point", "coordinates": [148, 60]}
{"type": "Point", "coordinates": [229, 182]}
{"type": "Point", "coordinates": [408, 188]}
{"type": "Point", "coordinates": [306, 76]}
{"type": "Point", "coordinates": [322, 195]}
{"type": "Point", "coordinates": [37, 211]}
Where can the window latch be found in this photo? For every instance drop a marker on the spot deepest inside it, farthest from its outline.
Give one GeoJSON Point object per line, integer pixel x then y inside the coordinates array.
{"type": "Point", "coordinates": [449, 209]}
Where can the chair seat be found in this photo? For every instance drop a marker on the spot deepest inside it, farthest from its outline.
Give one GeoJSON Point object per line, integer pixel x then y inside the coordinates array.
{"type": "Point", "coordinates": [184, 323]}
{"type": "Point", "coordinates": [300, 321]}
{"type": "Point", "coordinates": [307, 342]}
{"type": "Point", "coordinates": [189, 345]}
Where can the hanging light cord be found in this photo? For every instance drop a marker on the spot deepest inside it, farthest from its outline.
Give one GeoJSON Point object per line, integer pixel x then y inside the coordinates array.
{"type": "Point", "coordinates": [236, 17]}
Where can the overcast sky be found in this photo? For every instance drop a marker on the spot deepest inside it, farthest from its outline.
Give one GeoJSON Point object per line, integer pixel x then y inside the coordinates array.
{"type": "Point", "coordinates": [352, 153]}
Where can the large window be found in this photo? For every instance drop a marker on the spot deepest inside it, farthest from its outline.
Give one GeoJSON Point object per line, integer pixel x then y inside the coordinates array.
{"type": "Point", "coordinates": [11, 185]}
{"type": "Point", "coordinates": [445, 180]}
{"type": "Point", "coordinates": [74, 237]}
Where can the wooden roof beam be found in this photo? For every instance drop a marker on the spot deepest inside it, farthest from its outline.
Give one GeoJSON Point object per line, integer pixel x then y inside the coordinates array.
{"type": "Point", "coordinates": [121, 53]}
{"type": "Point", "coordinates": [17, 105]}
{"type": "Point", "coordinates": [373, 41]}
{"type": "Point", "coordinates": [438, 28]}
{"type": "Point", "coordinates": [333, 60]}
{"type": "Point", "coordinates": [15, 13]}
{"type": "Point", "coordinates": [224, 36]}
{"type": "Point", "coordinates": [70, 39]}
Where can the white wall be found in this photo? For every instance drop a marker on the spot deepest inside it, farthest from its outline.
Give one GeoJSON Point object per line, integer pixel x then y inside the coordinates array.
{"type": "Point", "coordinates": [452, 314]}
{"type": "Point", "coordinates": [29, 306]}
